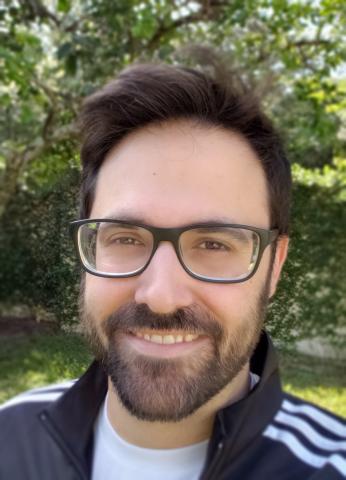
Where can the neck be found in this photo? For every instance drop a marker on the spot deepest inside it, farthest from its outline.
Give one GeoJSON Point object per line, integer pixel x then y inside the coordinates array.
{"type": "Point", "coordinates": [165, 435]}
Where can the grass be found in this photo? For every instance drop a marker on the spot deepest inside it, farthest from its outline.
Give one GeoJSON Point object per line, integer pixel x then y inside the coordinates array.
{"type": "Point", "coordinates": [40, 359]}
{"type": "Point", "coordinates": [317, 380]}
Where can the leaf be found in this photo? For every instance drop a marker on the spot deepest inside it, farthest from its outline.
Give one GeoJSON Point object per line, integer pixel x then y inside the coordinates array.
{"type": "Point", "coordinates": [71, 64]}
{"type": "Point", "coordinates": [64, 50]}
{"type": "Point", "coordinates": [64, 6]}
{"type": "Point", "coordinates": [145, 26]}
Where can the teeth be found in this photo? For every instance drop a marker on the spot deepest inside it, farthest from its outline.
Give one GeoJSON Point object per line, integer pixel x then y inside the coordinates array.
{"type": "Point", "coordinates": [189, 338]}
{"type": "Point", "coordinates": [167, 339]}
{"type": "Point", "coordinates": [156, 338]}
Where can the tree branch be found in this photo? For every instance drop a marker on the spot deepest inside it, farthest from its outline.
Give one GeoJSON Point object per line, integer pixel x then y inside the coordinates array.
{"type": "Point", "coordinates": [303, 43]}
{"type": "Point", "coordinates": [38, 10]}
{"type": "Point", "coordinates": [40, 146]}
{"type": "Point", "coordinates": [206, 12]}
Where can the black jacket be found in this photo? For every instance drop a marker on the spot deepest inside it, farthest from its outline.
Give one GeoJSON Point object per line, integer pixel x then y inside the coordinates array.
{"type": "Point", "coordinates": [47, 434]}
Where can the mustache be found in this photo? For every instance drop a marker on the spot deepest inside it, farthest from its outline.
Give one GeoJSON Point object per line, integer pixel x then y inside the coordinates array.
{"type": "Point", "coordinates": [132, 317]}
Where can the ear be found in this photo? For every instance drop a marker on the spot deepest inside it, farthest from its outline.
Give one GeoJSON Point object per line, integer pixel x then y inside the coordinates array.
{"type": "Point", "coordinates": [279, 260]}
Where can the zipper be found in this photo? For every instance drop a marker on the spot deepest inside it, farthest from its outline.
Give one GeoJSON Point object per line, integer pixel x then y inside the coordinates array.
{"type": "Point", "coordinates": [53, 432]}
{"type": "Point", "coordinates": [209, 474]}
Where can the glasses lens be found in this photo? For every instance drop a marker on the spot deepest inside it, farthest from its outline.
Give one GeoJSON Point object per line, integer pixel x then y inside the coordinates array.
{"type": "Point", "coordinates": [114, 248]}
{"type": "Point", "coordinates": [222, 253]}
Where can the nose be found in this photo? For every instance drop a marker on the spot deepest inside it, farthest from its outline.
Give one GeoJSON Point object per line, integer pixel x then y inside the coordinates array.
{"type": "Point", "coordinates": [164, 286]}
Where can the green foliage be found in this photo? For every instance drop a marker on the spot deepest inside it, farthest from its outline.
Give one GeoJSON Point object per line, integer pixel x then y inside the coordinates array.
{"type": "Point", "coordinates": [53, 54]}
{"type": "Point", "coordinates": [287, 51]}
{"type": "Point", "coordinates": [36, 253]}
{"type": "Point", "coordinates": [311, 297]}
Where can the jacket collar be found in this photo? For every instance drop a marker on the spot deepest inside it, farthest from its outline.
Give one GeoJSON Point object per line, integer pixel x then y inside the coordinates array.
{"type": "Point", "coordinates": [72, 416]}
{"type": "Point", "coordinates": [238, 423]}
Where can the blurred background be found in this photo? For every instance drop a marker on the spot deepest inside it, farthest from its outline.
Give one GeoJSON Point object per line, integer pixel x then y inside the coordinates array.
{"type": "Point", "coordinates": [54, 53]}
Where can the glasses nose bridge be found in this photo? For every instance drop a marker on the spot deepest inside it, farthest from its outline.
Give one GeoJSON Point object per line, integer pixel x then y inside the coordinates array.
{"type": "Point", "coordinates": [170, 235]}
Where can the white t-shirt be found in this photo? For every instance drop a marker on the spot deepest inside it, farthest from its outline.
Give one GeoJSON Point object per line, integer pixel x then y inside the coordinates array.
{"type": "Point", "coordinates": [114, 458]}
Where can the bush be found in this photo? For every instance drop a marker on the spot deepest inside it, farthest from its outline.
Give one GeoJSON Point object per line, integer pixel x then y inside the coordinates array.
{"type": "Point", "coordinates": [311, 297]}
{"type": "Point", "coordinates": [36, 254]}
{"type": "Point", "coordinates": [39, 266]}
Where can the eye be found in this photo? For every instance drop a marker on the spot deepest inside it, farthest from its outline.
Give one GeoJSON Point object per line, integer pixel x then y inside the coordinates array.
{"type": "Point", "coordinates": [213, 245]}
{"type": "Point", "coordinates": [124, 241]}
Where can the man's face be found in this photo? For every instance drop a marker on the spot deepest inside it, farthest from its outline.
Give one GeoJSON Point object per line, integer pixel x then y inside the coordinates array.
{"type": "Point", "coordinates": [174, 175]}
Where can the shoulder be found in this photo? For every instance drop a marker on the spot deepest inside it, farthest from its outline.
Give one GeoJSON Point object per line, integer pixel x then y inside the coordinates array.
{"type": "Point", "coordinates": [33, 400]}
{"type": "Point", "coordinates": [26, 449]}
{"type": "Point", "coordinates": [312, 435]}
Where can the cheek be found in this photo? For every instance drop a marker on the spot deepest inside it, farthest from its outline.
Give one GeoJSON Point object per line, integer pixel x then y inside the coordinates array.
{"type": "Point", "coordinates": [232, 304]}
{"type": "Point", "coordinates": [103, 296]}
{"type": "Point", "coordinates": [229, 303]}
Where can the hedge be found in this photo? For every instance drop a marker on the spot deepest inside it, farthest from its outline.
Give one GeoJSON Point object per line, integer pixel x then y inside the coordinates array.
{"type": "Point", "coordinates": [39, 267]}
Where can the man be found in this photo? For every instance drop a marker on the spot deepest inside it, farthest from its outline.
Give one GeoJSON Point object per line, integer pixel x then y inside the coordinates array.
{"type": "Point", "coordinates": [183, 234]}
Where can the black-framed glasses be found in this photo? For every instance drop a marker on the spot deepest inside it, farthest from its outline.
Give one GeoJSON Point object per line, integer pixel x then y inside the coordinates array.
{"type": "Point", "coordinates": [218, 253]}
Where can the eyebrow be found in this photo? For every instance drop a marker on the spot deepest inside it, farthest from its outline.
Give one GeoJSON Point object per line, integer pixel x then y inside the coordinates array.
{"type": "Point", "coordinates": [237, 233]}
{"type": "Point", "coordinates": [127, 217]}
{"type": "Point", "coordinates": [127, 226]}
{"type": "Point", "coordinates": [143, 220]}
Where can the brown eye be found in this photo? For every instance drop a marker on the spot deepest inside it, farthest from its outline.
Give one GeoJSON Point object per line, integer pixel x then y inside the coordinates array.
{"type": "Point", "coordinates": [125, 241]}
{"type": "Point", "coordinates": [212, 245]}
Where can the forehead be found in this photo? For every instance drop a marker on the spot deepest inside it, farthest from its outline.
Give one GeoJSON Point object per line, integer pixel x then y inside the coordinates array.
{"type": "Point", "coordinates": [178, 173]}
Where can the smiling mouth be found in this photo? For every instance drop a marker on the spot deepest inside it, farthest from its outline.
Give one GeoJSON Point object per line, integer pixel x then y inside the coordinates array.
{"type": "Point", "coordinates": [166, 338]}
{"type": "Point", "coordinates": [165, 344]}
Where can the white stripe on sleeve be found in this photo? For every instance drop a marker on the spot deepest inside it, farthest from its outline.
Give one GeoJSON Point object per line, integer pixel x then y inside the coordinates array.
{"type": "Point", "coordinates": [325, 420]}
{"type": "Point", "coordinates": [310, 433]}
{"type": "Point", "coordinates": [44, 397]}
{"type": "Point", "coordinates": [305, 455]}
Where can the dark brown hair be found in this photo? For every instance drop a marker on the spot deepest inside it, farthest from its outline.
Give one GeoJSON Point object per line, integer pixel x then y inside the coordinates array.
{"type": "Point", "coordinates": [151, 93]}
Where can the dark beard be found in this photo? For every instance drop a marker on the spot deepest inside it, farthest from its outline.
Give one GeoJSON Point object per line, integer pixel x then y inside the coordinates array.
{"type": "Point", "coordinates": [166, 390]}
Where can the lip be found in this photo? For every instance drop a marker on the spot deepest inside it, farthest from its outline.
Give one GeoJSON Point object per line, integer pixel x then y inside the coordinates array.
{"type": "Point", "coordinates": [161, 350]}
